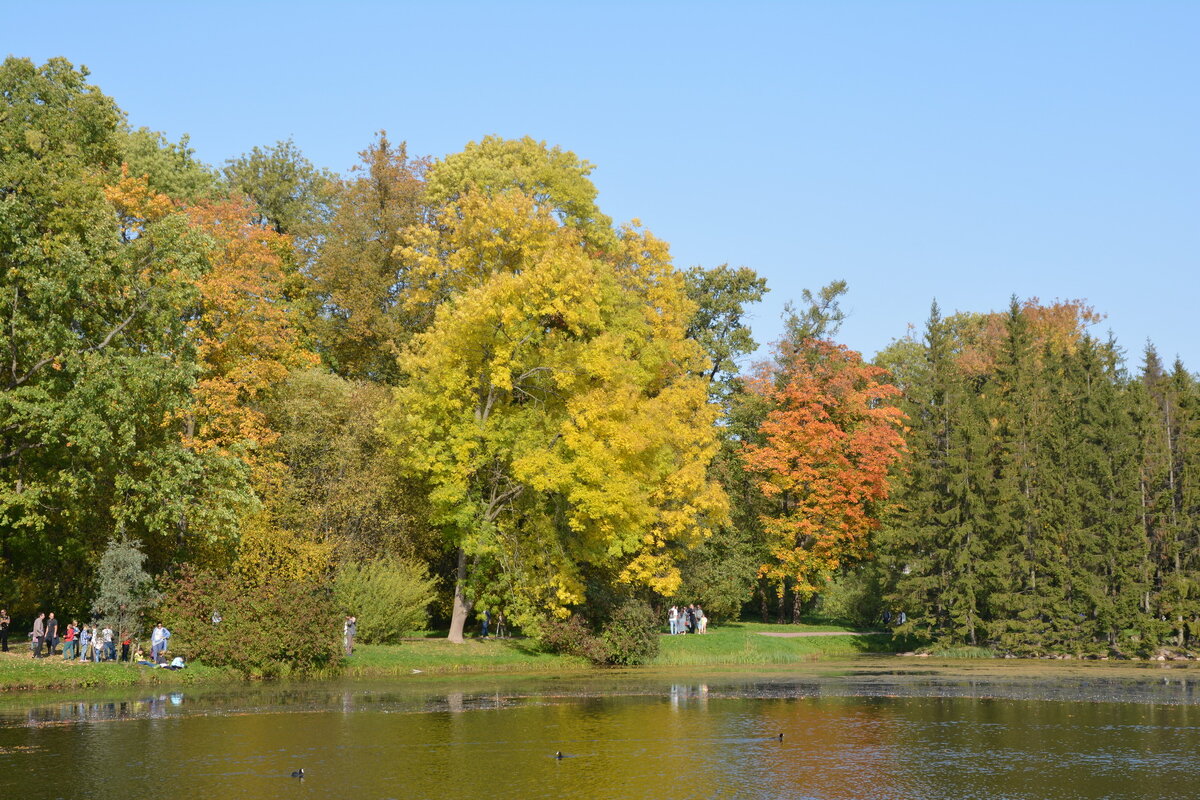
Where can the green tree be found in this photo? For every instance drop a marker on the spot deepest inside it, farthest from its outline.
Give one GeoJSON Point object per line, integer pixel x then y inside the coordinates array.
{"type": "Point", "coordinates": [721, 295]}
{"type": "Point", "coordinates": [125, 589]}
{"type": "Point", "coordinates": [98, 273]}
{"type": "Point", "coordinates": [293, 196]}
{"type": "Point", "coordinates": [935, 548]}
{"type": "Point", "coordinates": [170, 168]}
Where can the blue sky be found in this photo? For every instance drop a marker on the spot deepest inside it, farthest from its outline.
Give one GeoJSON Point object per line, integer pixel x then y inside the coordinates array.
{"type": "Point", "coordinates": [958, 150]}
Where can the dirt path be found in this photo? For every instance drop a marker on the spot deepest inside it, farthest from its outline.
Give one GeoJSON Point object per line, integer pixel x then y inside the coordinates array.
{"type": "Point", "coordinates": [800, 634]}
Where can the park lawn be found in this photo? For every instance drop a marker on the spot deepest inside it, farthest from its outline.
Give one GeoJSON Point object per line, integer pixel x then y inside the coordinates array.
{"type": "Point", "coordinates": [741, 643]}
{"type": "Point", "coordinates": [441, 656]}
{"type": "Point", "coordinates": [731, 644]}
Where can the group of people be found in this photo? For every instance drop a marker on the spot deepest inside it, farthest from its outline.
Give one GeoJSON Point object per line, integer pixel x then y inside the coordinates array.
{"type": "Point", "coordinates": [87, 643]}
{"type": "Point", "coordinates": [485, 622]}
{"type": "Point", "coordinates": [690, 619]}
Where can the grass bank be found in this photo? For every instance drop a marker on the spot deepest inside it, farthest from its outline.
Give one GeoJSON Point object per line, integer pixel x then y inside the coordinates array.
{"type": "Point", "coordinates": [740, 643]}
{"type": "Point", "coordinates": [728, 645]}
{"type": "Point", "coordinates": [20, 672]}
{"type": "Point", "coordinates": [438, 655]}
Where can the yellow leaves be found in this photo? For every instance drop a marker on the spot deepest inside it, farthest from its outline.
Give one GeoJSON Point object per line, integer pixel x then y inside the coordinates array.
{"type": "Point", "coordinates": [562, 383]}
{"type": "Point", "coordinates": [266, 550]}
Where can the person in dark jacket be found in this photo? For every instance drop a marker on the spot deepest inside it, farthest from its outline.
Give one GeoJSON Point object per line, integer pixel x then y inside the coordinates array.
{"type": "Point", "coordinates": [5, 621]}
{"type": "Point", "coordinates": [51, 634]}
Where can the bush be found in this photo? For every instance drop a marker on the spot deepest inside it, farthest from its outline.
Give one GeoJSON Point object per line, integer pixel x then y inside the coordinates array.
{"type": "Point", "coordinates": [854, 597]}
{"type": "Point", "coordinates": [268, 627]}
{"type": "Point", "coordinates": [629, 637]}
{"type": "Point", "coordinates": [390, 596]}
{"type": "Point", "coordinates": [572, 637]}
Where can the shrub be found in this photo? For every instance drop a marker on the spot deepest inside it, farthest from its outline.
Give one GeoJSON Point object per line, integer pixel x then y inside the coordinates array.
{"type": "Point", "coordinates": [270, 626]}
{"type": "Point", "coordinates": [853, 597]}
{"type": "Point", "coordinates": [629, 637]}
{"type": "Point", "coordinates": [389, 596]}
{"type": "Point", "coordinates": [572, 637]}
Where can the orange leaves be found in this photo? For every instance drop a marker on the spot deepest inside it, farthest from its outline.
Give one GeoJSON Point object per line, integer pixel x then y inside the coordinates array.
{"type": "Point", "coordinates": [136, 202]}
{"type": "Point", "coordinates": [828, 443]}
{"type": "Point", "coordinates": [246, 333]}
{"type": "Point", "coordinates": [1058, 328]}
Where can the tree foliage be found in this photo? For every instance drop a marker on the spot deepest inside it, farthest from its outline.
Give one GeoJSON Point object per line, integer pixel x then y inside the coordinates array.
{"type": "Point", "coordinates": [276, 372]}
{"type": "Point", "coordinates": [388, 596]}
{"type": "Point", "coordinates": [360, 275]}
{"type": "Point", "coordinates": [125, 589]}
{"type": "Point", "coordinates": [556, 179]}
{"type": "Point", "coordinates": [830, 439]}
{"type": "Point", "coordinates": [554, 407]}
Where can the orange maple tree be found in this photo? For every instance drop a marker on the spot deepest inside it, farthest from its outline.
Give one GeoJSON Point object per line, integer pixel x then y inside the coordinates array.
{"type": "Point", "coordinates": [246, 333]}
{"type": "Point", "coordinates": [830, 438]}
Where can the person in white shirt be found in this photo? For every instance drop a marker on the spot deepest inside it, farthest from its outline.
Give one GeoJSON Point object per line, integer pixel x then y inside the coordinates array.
{"type": "Point", "coordinates": [110, 649]}
{"type": "Point", "coordinates": [157, 642]}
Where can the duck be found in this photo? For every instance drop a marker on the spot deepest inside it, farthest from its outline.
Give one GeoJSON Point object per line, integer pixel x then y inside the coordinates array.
{"type": "Point", "coordinates": [781, 736]}
{"type": "Point", "coordinates": [558, 754]}
{"type": "Point", "coordinates": [299, 773]}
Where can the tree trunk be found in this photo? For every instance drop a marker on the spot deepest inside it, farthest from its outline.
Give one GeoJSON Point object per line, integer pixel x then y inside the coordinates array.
{"type": "Point", "coordinates": [462, 606]}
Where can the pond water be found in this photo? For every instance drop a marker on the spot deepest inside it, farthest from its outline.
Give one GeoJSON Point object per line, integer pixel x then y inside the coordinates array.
{"type": "Point", "coordinates": [853, 733]}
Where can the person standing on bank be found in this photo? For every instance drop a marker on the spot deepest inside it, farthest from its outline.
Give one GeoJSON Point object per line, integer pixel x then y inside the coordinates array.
{"type": "Point", "coordinates": [348, 632]}
{"type": "Point", "coordinates": [4, 623]}
{"type": "Point", "coordinates": [85, 642]}
{"type": "Point", "coordinates": [110, 648]}
{"type": "Point", "coordinates": [51, 634]}
{"type": "Point", "coordinates": [68, 641]}
{"type": "Point", "coordinates": [156, 642]}
{"type": "Point", "coordinates": [39, 633]}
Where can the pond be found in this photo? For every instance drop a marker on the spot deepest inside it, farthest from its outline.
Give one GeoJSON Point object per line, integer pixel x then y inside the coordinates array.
{"type": "Point", "coordinates": [870, 730]}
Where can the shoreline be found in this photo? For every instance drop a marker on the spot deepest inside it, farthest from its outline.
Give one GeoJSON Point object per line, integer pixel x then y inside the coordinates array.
{"type": "Point", "coordinates": [737, 647]}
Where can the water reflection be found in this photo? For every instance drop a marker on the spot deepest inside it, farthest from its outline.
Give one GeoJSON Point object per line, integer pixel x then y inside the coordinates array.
{"type": "Point", "coordinates": [861, 736]}
{"type": "Point", "coordinates": [688, 694]}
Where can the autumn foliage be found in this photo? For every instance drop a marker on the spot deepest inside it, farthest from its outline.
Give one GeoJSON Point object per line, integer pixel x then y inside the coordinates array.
{"type": "Point", "coordinates": [246, 333]}
{"type": "Point", "coordinates": [827, 445]}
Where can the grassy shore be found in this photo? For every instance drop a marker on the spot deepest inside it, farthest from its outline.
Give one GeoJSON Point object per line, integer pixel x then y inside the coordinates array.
{"type": "Point", "coordinates": [743, 643]}
{"type": "Point", "coordinates": [18, 671]}
{"type": "Point", "coordinates": [732, 645]}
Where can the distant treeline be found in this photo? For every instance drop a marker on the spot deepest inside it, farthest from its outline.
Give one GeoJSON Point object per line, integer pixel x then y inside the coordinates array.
{"type": "Point", "coordinates": [1050, 499]}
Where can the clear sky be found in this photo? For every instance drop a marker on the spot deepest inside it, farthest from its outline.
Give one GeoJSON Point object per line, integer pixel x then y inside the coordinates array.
{"type": "Point", "coordinates": [958, 150]}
